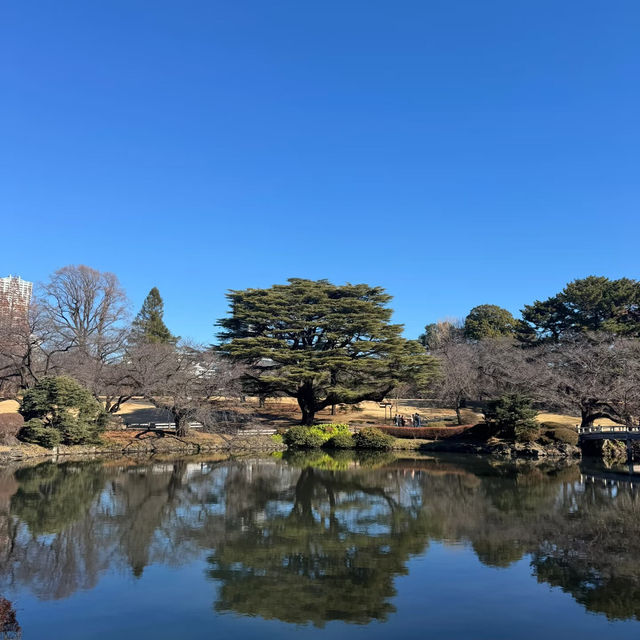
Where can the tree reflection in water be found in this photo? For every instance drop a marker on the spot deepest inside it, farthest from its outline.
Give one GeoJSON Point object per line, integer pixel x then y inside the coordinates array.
{"type": "Point", "coordinates": [310, 539]}
{"type": "Point", "coordinates": [326, 548]}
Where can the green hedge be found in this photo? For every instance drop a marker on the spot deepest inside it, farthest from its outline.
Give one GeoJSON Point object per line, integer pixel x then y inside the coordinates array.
{"type": "Point", "coordinates": [302, 438]}
{"type": "Point", "coordinates": [428, 433]}
{"type": "Point", "coordinates": [340, 441]}
{"type": "Point", "coordinates": [371, 438]}
{"type": "Point", "coordinates": [313, 437]}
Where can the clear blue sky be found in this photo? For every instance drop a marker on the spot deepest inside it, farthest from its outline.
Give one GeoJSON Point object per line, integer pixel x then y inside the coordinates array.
{"type": "Point", "coordinates": [454, 152]}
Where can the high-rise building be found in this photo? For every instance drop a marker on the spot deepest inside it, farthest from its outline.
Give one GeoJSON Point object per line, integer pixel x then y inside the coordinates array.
{"type": "Point", "coordinates": [15, 297]}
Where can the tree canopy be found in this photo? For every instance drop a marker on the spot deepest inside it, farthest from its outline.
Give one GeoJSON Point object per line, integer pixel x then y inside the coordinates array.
{"type": "Point", "coordinates": [148, 325]}
{"type": "Point", "coordinates": [594, 303]}
{"type": "Point", "coordinates": [328, 344]}
{"type": "Point", "coordinates": [439, 333]}
{"type": "Point", "coordinates": [489, 321]}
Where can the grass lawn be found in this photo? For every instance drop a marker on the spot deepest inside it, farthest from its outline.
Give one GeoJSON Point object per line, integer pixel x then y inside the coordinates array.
{"type": "Point", "coordinates": [286, 410]}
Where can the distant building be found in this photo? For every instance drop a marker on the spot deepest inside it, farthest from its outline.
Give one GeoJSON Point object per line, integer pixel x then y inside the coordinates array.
{"type": "Point", "coordinates": [15, 297]}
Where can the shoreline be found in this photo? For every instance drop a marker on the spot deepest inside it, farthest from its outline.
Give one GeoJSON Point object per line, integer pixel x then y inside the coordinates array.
{"type": "Point", "coordinates": [516, 450]}
{"type": "Point", "coordinates": [150, 443]}
{"type": "Point", "coordinates": [143, 443]}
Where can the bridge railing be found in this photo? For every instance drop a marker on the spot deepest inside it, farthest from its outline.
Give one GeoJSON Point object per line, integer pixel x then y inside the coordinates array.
{"type": "Point", "coordinates": [160, 426]}
{"type": "Point", "coordinates": [608, 429]}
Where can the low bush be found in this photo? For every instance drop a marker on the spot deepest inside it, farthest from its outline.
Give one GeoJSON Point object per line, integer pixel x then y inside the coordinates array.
{"type": "Point", "coordinates": [62, 405]}
{"type": "Point", "coordinates": [526, 432]}
{"type": "Point", "coordinates": [10, 425]}
{"type": "Point", "coordinates": [427, 433]}
{"type": "Point", "coordinates": [341, 440]}
{"type": "Point", "coordinates": [300, 437]}
{"type": "Point", "coordinates": [513, 417]}
{"type": "Point", "coordinates": [312, 437]}
{"type": "Point", "coordinates": [329, 430]}
{"type": "Point", "coordinates": [371, 438]}
{"type": "Point", "coordinates": [35, 432]}
{"type": "Point", "coordinates": [468, 416]}
{"type": "Point", "coordinates": [558, 432]}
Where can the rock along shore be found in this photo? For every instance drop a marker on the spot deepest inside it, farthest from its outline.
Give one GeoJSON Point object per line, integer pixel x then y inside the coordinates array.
{"type": "Point", "coordinates": [144, 443]}
{"type": "Point", "coordinates": [531, 450]}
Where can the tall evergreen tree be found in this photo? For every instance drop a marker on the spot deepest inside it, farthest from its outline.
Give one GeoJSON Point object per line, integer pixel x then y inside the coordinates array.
{"type": "Point", "coordinates": [326, 344]}
{"type": "Point", "coordinates": [148, 325]}
{"type": "Point", "coordinates": [590, 304]}
{"type": "Point", "coordinates": [489, 321]}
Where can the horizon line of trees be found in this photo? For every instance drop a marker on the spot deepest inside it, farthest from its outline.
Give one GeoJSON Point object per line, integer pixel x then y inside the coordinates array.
{"type": "Point", "coordinates": [577, 352]}
{"type": "Point", "coordinates": [328, 345]}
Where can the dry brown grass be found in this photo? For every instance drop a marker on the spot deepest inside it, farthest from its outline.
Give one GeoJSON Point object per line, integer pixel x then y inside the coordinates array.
{"type": "Point", "coordinates": [569, 421]}
{"type": "Point", "coordinates": [365, 412]}
{"type": "Point", "coordinates": [134, 405]}
{"type": "Point", "coordinates": [9, 406]}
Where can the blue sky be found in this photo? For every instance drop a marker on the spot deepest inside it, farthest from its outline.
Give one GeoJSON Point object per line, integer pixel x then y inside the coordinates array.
{"type": "Point", "coordinates": [455, 152]}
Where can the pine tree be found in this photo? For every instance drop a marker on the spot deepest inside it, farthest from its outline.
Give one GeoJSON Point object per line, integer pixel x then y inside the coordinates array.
{"type": "Point", "coordinates": [148, 325]}
{"type": "Point", "coordinates": [326, 344]}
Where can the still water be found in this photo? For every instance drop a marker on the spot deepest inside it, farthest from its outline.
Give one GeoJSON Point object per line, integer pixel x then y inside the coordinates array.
{"type": "Point", "coordinates": [320, 546]}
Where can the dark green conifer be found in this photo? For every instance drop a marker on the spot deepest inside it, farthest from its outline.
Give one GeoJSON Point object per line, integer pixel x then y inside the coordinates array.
{"type": "Point", "coordinates": [148, 325]}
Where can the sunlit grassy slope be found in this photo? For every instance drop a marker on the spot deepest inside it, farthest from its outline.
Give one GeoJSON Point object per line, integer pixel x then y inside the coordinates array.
{"type": "Point", "coordinates": [364, 412]}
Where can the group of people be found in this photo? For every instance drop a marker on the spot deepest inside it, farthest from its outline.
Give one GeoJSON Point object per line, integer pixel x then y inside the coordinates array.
{"type": "Point", "coordinates": [400, 421]}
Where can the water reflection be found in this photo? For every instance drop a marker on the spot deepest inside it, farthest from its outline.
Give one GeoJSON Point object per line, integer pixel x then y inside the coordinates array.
{"type": "Point", "coordinates": [310, 539]}
{"type": "Point", "coordinates": [314, 545]}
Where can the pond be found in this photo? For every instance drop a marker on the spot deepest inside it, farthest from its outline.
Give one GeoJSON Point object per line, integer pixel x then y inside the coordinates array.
{"type": "Point", "coordinates": [320, 546]}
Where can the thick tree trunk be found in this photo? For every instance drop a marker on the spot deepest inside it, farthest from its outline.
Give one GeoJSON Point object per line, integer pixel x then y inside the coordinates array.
{"type": "Point", "coordinates": [458, 414]}
{"type": "Point", "coordinates": [308, 415]}
{"type": "Point", "coordinates": [307, 403]}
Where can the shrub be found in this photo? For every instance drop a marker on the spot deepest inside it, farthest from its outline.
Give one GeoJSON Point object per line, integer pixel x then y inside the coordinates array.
{"type": "Point", "coordinates": [428, 433]}
{"type": "Point", "coordinates": [302, 438]}
{"type": "Point", "coordinates": [315, 436]}
{"type": "Point", "coordinates": [526, 432]}
{"type": "Point", "coordinates": [61, 404]}
{"type": "Point", "coordinates": [558, 432]}
{"type": "Point", "coordinates": [341, 440]}
{"type": "Point", "coordinates": [329, 430]}
{"type": "Point", "coordinates": [35, 432]}
{"type": "Point", "coordinates": [10, 425]}
{"type": "Point", "coordinates": [514, 417]}
{"type": "Point", "coordinates": [468, 416]}
{"type": "Point", "coordinates": [371, 438]}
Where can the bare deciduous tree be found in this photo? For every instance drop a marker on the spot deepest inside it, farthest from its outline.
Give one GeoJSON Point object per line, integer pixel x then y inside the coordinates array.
{"type": "Point", "coordinates": [88, 309]}
{"type": "Point", "coordinates": [184, 380]}
{"type": "Point", "coordinates": [504, 366]}
{"type": "Point", "coordinates": [597, 374]}
{"type": "Point", "coordinates": [86, 313]}
{"type": "Point", "coordinates": [458, 379]}
{"type": "Point", "coordinates": [29, 350]}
